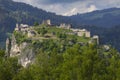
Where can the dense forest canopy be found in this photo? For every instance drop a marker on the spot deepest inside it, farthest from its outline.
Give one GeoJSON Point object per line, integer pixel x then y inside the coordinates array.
{"type": "Point", "coordinates": [75, 63]}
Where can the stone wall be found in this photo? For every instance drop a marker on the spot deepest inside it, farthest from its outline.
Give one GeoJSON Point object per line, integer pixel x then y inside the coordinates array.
{"type": "Point", "coordinates": [84, 33]}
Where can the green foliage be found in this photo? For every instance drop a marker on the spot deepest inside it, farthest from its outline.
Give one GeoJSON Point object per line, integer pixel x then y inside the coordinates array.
{"type": "Point", "coordinates": [61, 35]}
{"type": "Point", "coordinates": [20, 37]}
{"type": "Point", "coordinates": [76, 62]}
{"type": "Point", "coordinates": [2, 53]}
{"type": "Point", "coordinates": [24, 74]}
{"type": "Point", "coordinates": [42, 31]}
{"type": "Point", "coordinates": [8, 68]}
{"type": "Point", "coordinates": [36, 24]}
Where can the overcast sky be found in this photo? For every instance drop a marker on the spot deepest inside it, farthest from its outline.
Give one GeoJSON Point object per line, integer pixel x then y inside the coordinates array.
{"type": "Point", "coordinates": [71, 7]}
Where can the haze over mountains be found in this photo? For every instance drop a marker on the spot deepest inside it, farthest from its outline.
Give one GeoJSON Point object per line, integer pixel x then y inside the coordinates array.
{"type": "Point", "coordinates": [16, 12]}
{"type": "Point", "coordinates": [101, 18]}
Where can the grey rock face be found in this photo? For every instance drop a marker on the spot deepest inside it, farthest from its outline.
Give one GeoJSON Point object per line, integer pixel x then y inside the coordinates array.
{"type": "Point", "coordinates": [27, 57]}
{"type": "Point", "coordinates": [23, 51]}
{"type": "Point", "coordinates": [15, 49]}
{"type": "Point", "coordinates": [7, 47]}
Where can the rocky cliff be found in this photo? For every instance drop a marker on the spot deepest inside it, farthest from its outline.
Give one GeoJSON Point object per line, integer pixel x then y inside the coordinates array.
{"type": "Point", "coordinates": [23, 51]}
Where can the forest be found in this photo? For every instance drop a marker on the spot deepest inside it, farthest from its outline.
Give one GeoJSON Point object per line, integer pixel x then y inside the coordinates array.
{"type": "Point", "coordinates": [76, 62]}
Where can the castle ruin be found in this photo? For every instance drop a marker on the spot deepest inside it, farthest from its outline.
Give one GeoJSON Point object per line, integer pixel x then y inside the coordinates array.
{"type": "Point", "coordinates": [47, 22]}
{"type": "Point", "coordinates": [84, 32]}
{"type": "Point", "coordinates": [22, 27]}
{"type": "Point", "coordinates": [65, 26]}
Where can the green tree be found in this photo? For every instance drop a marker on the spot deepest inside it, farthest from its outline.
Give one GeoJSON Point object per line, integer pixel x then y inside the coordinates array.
{"type": "Point", "coordinates": [36, 24]}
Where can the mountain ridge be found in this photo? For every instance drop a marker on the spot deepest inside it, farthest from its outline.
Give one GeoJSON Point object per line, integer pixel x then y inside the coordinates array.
{"type": "Point", "coordinates": [102, 18]}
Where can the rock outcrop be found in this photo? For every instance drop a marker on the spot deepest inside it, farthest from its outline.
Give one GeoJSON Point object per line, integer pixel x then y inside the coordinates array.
{"type": "Point", "coordinates": [23, 51]}
{"type": "Point", "coordinates": [15, 49]}
{"type": "Point", "coordinates": [7, 47]}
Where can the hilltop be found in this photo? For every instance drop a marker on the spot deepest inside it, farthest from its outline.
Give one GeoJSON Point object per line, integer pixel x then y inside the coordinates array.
{"type": "Point", "coordinates": [26, 40]}
{"type": "Point", "coordinates": [47, 51]}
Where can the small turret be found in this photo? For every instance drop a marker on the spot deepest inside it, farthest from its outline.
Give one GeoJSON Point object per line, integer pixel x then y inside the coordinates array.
{"type": "Point", "coordinates": [47, 22]}
{"type": "Point", "coordinates": [96, 37]}
{"type": "Point", "coordinates": [17, 27]}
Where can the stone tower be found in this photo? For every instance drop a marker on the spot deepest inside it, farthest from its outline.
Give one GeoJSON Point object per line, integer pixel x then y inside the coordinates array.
{"type": "Point", "coordinates": [96, 37]}
{"type": "Point", "coordinates": [17, 27]}
{"type": "Point", "coordinates": [47, 22]}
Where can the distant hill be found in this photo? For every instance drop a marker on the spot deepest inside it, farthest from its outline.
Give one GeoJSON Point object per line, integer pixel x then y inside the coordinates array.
{"type": "Point", "coordinates": [24, 13]}
{"type": "Point", "coordinates": [102, 18]}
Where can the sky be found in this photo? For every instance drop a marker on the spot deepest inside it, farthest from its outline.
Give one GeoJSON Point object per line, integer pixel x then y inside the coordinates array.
{"type": "Point", "coordinates": [72, 7]}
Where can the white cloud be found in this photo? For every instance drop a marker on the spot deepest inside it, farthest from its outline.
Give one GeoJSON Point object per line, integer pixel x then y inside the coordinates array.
{"type": "Point", "coordinates": [83, 10]}
{"type": "Point", "coordinates": [70, 8]}
{"type": "Point", "coordinates": [72, 12]}
{"type": "Point", "coordinates": [91, 8]}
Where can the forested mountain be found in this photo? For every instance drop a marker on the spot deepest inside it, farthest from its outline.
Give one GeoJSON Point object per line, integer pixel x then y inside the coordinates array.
{"type": "Point", "coordinates": [24, 13]}
{"type": "Point", "coordinates": [101, 18]}
{"type": "Point", "coordinates": [111, 36]}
